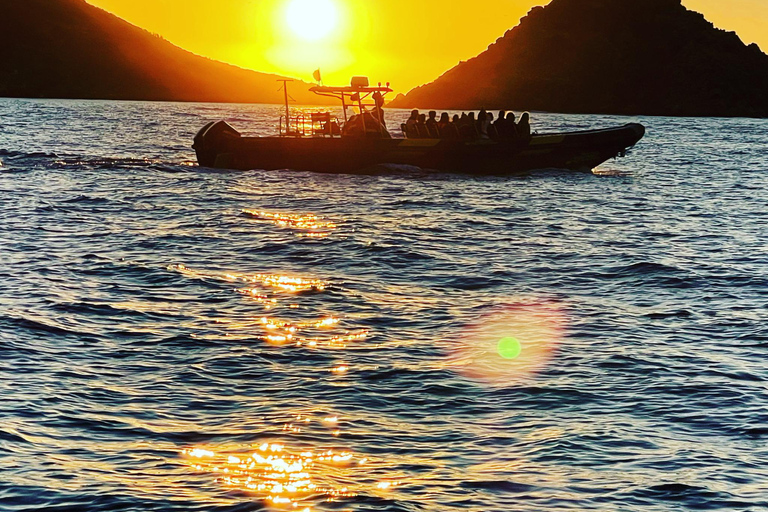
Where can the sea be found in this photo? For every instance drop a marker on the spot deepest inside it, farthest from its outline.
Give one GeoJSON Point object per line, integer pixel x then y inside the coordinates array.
{"type": "Point", "coordinates": [178, 338]}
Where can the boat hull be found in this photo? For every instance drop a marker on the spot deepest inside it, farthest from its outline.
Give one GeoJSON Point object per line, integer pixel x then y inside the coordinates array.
{"type": "Point", "coordinates": [218, 145]}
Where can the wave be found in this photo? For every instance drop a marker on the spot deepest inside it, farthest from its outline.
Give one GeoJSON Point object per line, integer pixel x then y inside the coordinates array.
{"type": "Point", "coordinates": [19, 155]}
{"type": "Point", "coordinates": [502, 486]}
{"type": "Point", "coordinates": [87, 199]}
{"type": "Point", "coordinates": [682, 493]}
{"type": "Point", "coordinates": [46, 326]}
{"type": "Point", "coordinates": [11, 437]}
{"type": "Point", "coordinates": [646, 268]}
{"type": "Point", "coordinates": [14, 160]}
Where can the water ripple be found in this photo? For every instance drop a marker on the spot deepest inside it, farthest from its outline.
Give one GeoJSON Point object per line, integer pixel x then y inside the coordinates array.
{"type": "Point", "coordinates": [553, 341]}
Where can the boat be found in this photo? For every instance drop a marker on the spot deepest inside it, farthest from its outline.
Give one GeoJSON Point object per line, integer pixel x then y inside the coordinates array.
{"type": "Point", "coordinates": [360, 144]}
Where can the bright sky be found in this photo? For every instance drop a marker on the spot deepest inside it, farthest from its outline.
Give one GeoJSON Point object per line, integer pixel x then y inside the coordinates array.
{"type": "Point", "coordinates": [406, 42]}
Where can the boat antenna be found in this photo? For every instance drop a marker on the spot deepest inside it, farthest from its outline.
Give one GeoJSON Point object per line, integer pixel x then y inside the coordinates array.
{"type": "Point", "coordinates": [287, 111]}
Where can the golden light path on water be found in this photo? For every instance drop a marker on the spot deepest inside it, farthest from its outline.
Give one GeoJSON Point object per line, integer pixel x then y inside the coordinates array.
{"type": "Point", "coordinates": [285, 474]}
{"type": "Point", "coordinates": [268, 290]}
{"type": "Point", "coordinates": [291, 476]}
{"type": "Point", "coordinates": [281, 282]}
{"type": "Point", "coordinates": [511, 343]}
{"type": "Point", "coordinates": [306, 225]}
{"type": "Point", "coordinates": [504, 347]}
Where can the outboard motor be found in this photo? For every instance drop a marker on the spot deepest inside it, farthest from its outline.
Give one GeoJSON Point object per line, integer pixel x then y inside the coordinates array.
{"type": "Point", "coordinates": [210, 141]}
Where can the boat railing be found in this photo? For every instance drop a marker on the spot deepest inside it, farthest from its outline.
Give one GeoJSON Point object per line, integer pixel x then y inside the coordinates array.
{"type": "Point", "coordinates": [313, 124]}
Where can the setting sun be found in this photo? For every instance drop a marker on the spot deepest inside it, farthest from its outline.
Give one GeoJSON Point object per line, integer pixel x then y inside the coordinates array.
{"type": "Point", "coordinates": [312, 20]}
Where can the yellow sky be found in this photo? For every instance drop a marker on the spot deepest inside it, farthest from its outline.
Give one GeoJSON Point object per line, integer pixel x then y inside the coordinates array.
{"type": "Point", "coordinates": [407, 42]}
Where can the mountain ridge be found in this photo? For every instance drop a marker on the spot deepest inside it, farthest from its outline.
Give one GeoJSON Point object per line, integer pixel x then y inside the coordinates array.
{"type": "Point", "coordinates": [608, 57]}
{"type": "Point", "coordinates": [71, 49]}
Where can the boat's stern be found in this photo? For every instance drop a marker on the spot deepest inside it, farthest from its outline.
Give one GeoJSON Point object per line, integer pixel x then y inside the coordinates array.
{"type": "Point", "coordinates": [211, 142]}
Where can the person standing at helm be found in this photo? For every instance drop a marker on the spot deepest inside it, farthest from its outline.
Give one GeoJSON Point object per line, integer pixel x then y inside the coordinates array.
{"type": "Point", "coordinates": [378, 109]}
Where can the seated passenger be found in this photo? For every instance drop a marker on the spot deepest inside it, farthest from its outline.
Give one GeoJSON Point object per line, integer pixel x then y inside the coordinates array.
{"type": "Point", "coordinates": [482, 129]}
{"type": "Point", "coordinates": [468, 129]}
{"type": "Point", "coordinates": [365, 125]}
{"type": "Point", "coordinates": [524, 129]}
{"type": "Point", "coordinates": [409, 127]}
{"type": "Point", "coordinates": [510, 127]}
{"type": "Point", "coordinates": [491, 128]}
{"type": "Point", "coordinates": [432, 125]}
{"type": "Point", "coordinates": [444, 121]}
{"type": "Point", "coordinates": [500, 124]}
{"type": "Point", "coordinates": [413, 119]}
{"type": "Point", "coordinates": [421, 126]}
{"type": "Point", "coordinates": [448, 129]}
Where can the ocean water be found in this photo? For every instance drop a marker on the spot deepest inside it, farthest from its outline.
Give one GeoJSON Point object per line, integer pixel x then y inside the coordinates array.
{"type": "Point", "coordinates": [175, 338]}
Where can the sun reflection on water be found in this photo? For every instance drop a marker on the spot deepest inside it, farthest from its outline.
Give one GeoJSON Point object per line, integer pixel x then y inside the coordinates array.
{"type": "Point", "coordinates": [293, 476]}
{"type": "Point", "coordinates": [274, 473]}
{"type": "Point", "coordinates": [269, 290]}
{"type": "Point", "coordinates": [308, 225]}
{"type": "Point", "coordinates": [280, 282]}
{"type": "Point", "coordinates": [309, 333]}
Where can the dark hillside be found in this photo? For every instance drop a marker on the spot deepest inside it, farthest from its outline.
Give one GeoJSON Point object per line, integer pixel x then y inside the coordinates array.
{"type": "Point", "coordinates": [70, 49]}
{"type": "Point", "coordinates": [651, 57]}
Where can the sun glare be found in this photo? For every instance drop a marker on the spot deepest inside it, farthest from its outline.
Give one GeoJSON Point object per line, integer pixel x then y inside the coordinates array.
{"type": "Point", "coordinates": [312, 20]}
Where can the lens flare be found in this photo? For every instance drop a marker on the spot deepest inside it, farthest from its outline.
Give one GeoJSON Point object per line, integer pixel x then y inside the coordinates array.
{"type": "Point", "coordinates": [509, 348]}
{"type": "Point", "coordinates": [509, 344]}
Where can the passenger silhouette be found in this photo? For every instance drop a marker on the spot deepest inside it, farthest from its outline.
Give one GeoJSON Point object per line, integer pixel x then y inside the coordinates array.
{"type": "Point", "coordinates": [481, 124]}
{"type": "Point", "coordinates": [448, 130]}
{"type": "Point", "coordinates": [442, 124]}
{"type": "Point", "coordinates": [466, 125]}
{"type": "Point", "coordinates": [409, 127]}
{"type": "Point", "coordinates": [365, 125]}
{"type": "Point", "coordinates": [432, 125]}
{"type": "Point", "coordinates": [524, 129]}
{"type": "Point", "coordinates": [414, 118]}
{"type": "Point", "coordinates": [421, 126]}
{"type": "Point", "coordinates": [501, 125]}
{"type": "Point", "coordinates": [490, 126]}
{"type": "Point", "coordinates": [472, 125]}
{"type": "Point", "coordinates": [378, 109]}
{"type": "Point", "coordinates": [510, 127]}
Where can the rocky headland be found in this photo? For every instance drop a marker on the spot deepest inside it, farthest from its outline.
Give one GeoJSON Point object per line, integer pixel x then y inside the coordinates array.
{"type": "Point", "coordinates": [70, 49]}
{"type": "Point", "coordinates": [649, 57]}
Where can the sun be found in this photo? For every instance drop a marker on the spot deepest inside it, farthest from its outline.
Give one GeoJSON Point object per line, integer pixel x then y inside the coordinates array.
{"type": "Point", "coordinates": [312, 20]}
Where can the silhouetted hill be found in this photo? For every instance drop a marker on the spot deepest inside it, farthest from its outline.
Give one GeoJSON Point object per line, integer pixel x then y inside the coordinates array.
{"type": "Point", "coordinates": [651, 57]}
{"type": "Point", "coordinates": [70, 49]}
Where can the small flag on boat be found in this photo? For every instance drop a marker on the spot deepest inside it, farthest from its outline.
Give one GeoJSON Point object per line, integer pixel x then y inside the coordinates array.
{"type": "Point", "coordinates": [316, 75]}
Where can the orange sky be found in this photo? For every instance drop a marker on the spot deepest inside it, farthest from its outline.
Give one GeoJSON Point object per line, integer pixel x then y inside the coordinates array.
{"type": "Point", "coordinates": [407, 42]}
